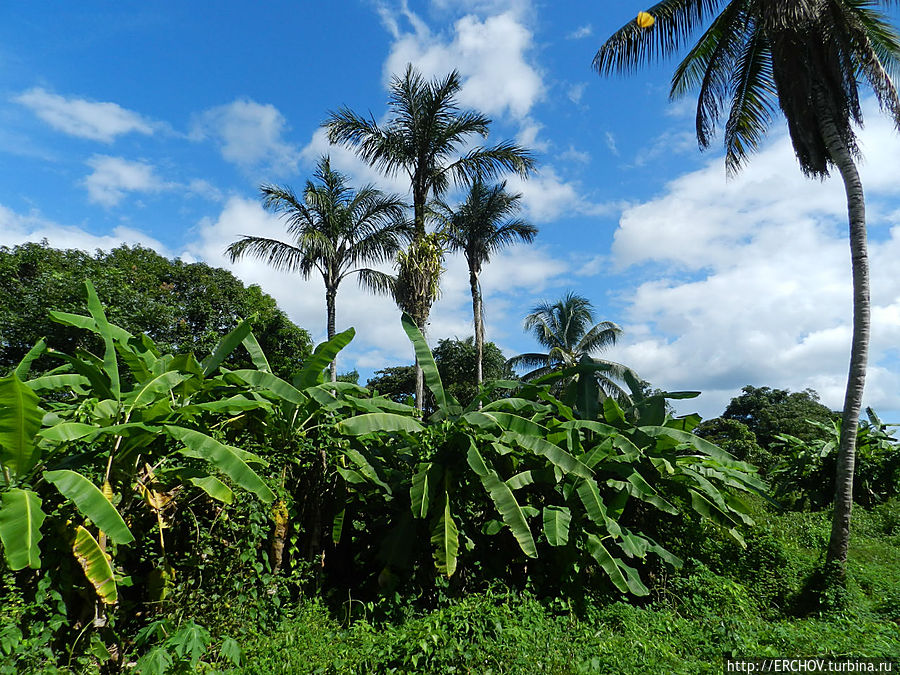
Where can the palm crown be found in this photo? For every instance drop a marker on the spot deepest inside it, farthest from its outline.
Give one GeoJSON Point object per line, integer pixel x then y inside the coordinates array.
{"type": "Point", "coordinates": [424, 137]}
{"type": "Point", "coordinates": [335, 231]}
{"type": "Point", "coordinates": [804, 56]}
{"type": "Point", "coordinates": [567, 330]}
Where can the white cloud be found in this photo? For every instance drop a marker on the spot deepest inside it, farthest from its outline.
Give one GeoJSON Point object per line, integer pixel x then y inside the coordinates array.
{"type": "Point", "coordinates": [490, 54]}
{"type": "Point", "coordinates": [113, 177]}
{"type": "Point", "coordinates": [581, 32]}
{"type": "Point", "coordinates": [96, 121]}
{"type": "Point", "coordinates": [576, 91]}
{"type": "Point", "coordinates": [17, 229]}
{"type": "Point", "coordinates": [546, 197]}
{"type": "Point", "coordinates": [250, 135]}
{"type": "Point", "coordinates": [575, 156]}
{"type": "Point", "coordinates": [748, 281]}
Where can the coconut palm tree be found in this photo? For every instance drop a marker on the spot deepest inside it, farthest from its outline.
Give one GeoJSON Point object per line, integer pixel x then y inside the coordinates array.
{"type": "Point", "coordinates": [335, 231]}
{"type": "Point", "coordinates": [806, 57]}
{"type": "Point", "coordinates": [567, 330]}
{"type": "Point", "coordinates": [426, 137]}
{"type": "Point", "coordinates": [479, 227]}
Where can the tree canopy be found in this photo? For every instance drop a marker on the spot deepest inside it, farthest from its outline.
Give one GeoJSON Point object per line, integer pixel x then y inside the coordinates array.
{"type": "Point", "coordinates": [767, 412]}
{"type": "Point", "coordinates": [455, 360]}
{"type": "Point", "coordinates": [181, 306]}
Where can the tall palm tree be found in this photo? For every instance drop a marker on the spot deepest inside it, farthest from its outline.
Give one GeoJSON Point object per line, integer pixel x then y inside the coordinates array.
{"type": "Point", "coordinates": [335, 230]}
{"type": "Point", "coordinates": [479, 227]}
{"type": "Point", "coordinates": [425, 138]}
{"type": "Point", "coordinates": [806, 57]}
{"type": "Point", "coordinates": [567, 330]}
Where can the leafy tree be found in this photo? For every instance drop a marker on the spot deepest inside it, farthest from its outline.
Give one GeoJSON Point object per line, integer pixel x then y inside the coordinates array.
{"type": "Point", "coordinates": [455, 361]}
{"type": "Point", "coordinates": [806, 57]}
{"type": "Point", "coordinates": [182, 307]}
{"type": "Point", "coordinates": [737, 438]}
{"type": "Point", "coordinates": [566, 329]}
{"type": "Point", "coordinates": [479, 227]}
{"type": "Point", "coordinates": [335, 230]}
{"type": "Point", "coordinates": [426, 137]}
{"type": "Point", "coordinates": [769, 412]}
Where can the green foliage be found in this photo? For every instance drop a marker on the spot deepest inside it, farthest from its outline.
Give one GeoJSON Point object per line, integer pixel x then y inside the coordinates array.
{"type": "Point", "coordinates": [455, 361]}
{"type": "Point", "coordinates": [768, 412]}
{"type": "Point", "coordinates": [183, 307]}
{"type": "Point", "coordinates": [736, 438]}
{"type": "Point", "coordinates": [466, 476]}
{"type": "Point", "coordinates": [805, 472]}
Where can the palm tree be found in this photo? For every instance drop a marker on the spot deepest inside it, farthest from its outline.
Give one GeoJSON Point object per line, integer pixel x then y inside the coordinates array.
{"type": "Point", "coordinates": [335, 230]}
{"type": "Point", "coordinates": [479, 227]}
{"type": "Point", "coordinates": [806, 57]}
{"type": "Point", "coordinates": [425, 137]}
{"type": "Point", "coordinates": [566, 329]}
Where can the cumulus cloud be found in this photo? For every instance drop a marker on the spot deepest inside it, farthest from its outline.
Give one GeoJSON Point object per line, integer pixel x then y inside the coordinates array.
{"type": "Point", "coordinates": [748, 281]}
{"type": "Point", "coordinates": [491, 54]}
{"type": "Point", "coordinates": [97, 121]}
{"type": "Point", "coordinates": [546, 197]}
{"type": "Point", "coordinates": [250, 135]}
{"type": "Point", "coordinates": [113, 177]}
{"type": "Point", "coordinates": [16, 228]}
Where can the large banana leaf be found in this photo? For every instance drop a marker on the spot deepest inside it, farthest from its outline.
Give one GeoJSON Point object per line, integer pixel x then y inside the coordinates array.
{"type": "Point", "coordinates": [227, 459]}
{"type": "Point", "coordinates": [505, 502]}
{"type": "Point", "coordinates": [95, 565]}
{"type": "Point", "coordinates": [68, 431]}
{"type": "Point", "coordinates": [426, 362]}
{"type": "Point", "coordinates": [226, 345]}
{"type": "Point", "coordinates": [556, 525]}
{"type": "Point", "coordinates": [423, 487]}
{"type": "Point", "coordinates": [274, 384]}
{"type": "Point", "coordinates": [149, 391]}
{"type": "Point", "coordinates": [60, 381]}
{"type": "Point", "coordinates": [214, 488]}
{"type": "Point", "coordinates": [110, 360]}
{"type": "Point", "coordinates": [557, 456]}
{"type": "Point", "coordinates": [321, 357]}
{"type": "Point", "coordinates": [91, 503]}
{"type": "Point", "coordinates": [20, 528]}
{"type": "Point", "coordinates": [445, 538]}
{"type": "Point", "coordinates": [20, 420]}
{"type": "Point", "coordinates": [257, 355]}
{"type": "Point", "coordinates": [614, 568]}
{"type": "Point", "coordinates": [375, 422]}
{"type": "Point", "coordinates": [589, 494]}
{"type": "Point", "coordinates": [24, 367]}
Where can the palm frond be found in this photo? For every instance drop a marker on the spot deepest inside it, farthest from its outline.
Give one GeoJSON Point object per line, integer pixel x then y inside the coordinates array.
{"type": "Point", "coordinates": [275, 253]}
{"type": "Point", "coordinates": [632, 46]}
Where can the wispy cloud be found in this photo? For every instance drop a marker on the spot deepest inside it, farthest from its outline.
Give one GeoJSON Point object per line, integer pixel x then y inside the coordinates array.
{"type": "Point", "coordinates": [97, 121]}
{"type": "Point", "coordinates": [581, 32]}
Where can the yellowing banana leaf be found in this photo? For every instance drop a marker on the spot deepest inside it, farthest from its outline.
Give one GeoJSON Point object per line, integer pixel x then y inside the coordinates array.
{"type": "Point", "coordinates": [95, 565]}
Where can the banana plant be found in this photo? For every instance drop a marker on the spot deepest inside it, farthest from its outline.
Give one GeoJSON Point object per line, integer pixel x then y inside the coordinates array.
{"type": "Point", "coordinates": [557, 478]}
{"type": "Point", "coordinates": [100, 430]}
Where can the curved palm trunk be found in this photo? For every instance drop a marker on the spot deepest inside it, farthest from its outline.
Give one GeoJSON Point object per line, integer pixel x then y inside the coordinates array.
{"type": "Point", "coordinates": [846, 460]}
{"type": "Point", "coordinates": [479, 326]}
{"type": "Point", "coordinates": [330, 295]}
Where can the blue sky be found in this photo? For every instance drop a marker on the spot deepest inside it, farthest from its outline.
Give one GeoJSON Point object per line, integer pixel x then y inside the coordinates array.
{"type": "Point", "coordinates": [156, 123]}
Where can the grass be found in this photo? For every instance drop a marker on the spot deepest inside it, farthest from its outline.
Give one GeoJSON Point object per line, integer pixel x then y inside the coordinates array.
{"type": "Point", "coordinates": [697, 617]}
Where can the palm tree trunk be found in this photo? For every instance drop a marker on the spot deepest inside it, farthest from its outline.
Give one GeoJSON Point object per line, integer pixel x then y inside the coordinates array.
{"type": "Point", "coordinates": [330, 295]}
{"type": "Point", "coordinates": [479, 326]}
{"type": "Point", "coordinates": [846, 460]}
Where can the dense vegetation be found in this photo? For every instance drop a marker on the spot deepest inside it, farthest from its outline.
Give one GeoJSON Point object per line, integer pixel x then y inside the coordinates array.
{"type": "Point", "coordinates": [187, 487]}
